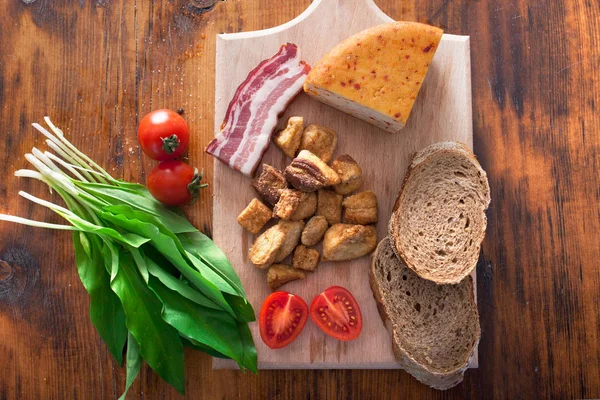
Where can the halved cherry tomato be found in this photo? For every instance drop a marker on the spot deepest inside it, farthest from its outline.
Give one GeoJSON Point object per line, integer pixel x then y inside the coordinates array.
{"type": "Point", "coordinates": [282, 318]}
{"type": "Point", "coordinates": [174, 183]}
{"type": "Point", "coordinates": [163, 135]}
{"type": "Point", "coordinates": [336, 312]}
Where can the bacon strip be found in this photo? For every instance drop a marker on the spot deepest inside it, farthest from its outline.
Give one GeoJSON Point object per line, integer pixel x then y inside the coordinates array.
{"type": "Point", "coordinates": [252, 114]}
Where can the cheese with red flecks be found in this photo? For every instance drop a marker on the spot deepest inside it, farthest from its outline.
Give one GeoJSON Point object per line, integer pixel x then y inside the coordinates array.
{"type": "Point", "coordinates": [376, 74]}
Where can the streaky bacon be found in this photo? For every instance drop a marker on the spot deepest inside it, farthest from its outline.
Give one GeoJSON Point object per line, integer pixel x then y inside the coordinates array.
{"type": "Point", "coordinates": [252, 114]}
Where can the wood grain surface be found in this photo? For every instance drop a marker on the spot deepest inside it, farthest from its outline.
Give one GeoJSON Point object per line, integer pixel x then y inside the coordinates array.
{"type": "Point", "coordinates": [97, 66]}
{"type": "Point", "coordinates": [441, 112]}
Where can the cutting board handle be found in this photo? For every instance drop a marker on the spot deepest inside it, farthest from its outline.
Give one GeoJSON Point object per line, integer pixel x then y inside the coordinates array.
{"type": "Point", "coordinates": [368, 7]}
{"type": "Point", "coordinates": [350, 8]}
{"type": "Point", "coordinates": [330, 12]}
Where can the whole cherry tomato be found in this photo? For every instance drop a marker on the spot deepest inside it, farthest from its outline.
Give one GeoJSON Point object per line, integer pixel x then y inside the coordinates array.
{"type": "Point", "coordinates": [163, 135]}
{"type": "Point", "coordinates": [174, 183]}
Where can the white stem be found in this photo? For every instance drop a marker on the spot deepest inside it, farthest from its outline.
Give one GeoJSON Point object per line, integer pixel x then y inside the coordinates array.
{"type": "Point", "coordinates": [63, 212]}
{"type": "Point", "coordinates": [45, 203]}
{"type": "Point", "coordinates": [38, 224]}
{"type": "Point", "coordinates": [29, 173]}
{"type": "Point", "coordinates": [40, 166]}
{"type": "Point", "coordinates": [48, 162]}
{"type": "Point", "coordinates": [91, 171]}
{"type": "Point", "coordinates": [61, 136]}
{"type": "Point", "coordinates": [57, 131]}
{"type": "Point", "coordinates": [70, 159]}
{"type": "Point", "coordinates": [66, 165]}
{"type": "Point", "coordinates": [59, 143]}
{"type": "Point", "coordinates": [59, 178]}
{"type": "Point", "coordinates": [61, 152]}
{"type": "Point", "coordinates": [45, 132]}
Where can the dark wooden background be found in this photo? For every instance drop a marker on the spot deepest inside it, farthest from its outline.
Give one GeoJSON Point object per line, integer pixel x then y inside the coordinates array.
{"type": "Point", "coordinates": [97, 66]}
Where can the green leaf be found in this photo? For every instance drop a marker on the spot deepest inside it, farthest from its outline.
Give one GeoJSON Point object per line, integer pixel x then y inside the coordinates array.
{"type": "Point", "coordinates": [139, 198]}
{"type": "Point", "coordinates": [193, 344]}
{"type": "Point", "coordinates": [241, 307]}
{"type": "Point", "coordinates": [85, 244]}
{"type": "Point", "coordinates": [203, 252]}
{"type": "Point", "coordinates": [110, 254]}
{"type": "Point", "coordinates": [84, 225]}
{"type": "Point", "coordinates": [159, 342]}
{"type": "Point", "coordinates": [226, 282]}
{"type": "Point", "coordinates": [132, 186]}
{"type": "Point", "coordinates": [129, 239]}
{"type": "Point", "coordinates": [212, 328]}
{"type": "Point", "coordinates": [210, 274]}
{"type": "Point", "coordinates": [249, 357]}
{"type": "Point", "coordinates": [204, 248]}
{"type": "Point", "coordinates": [140, 261]}
{"type": "Point", "coordinates": [177, 285]}
{"type": "Point", "coordinates": [167, 246]}
{"type": "Point", "coordinates": [106, 311]}
{"type": "Point", "coordinates": [133, 363]}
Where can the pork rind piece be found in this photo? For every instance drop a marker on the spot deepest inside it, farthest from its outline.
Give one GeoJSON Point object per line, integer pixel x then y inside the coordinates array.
{"type": "Point", "coordinates": [254, 216]}
{"type": "Point", "coordinates": [314, 230]}
{"type": "Point", "coordinates": [308, 173]}
{"type": "Point", "coordinates": [288, 139]}
{"type": "Point", "coordinates": [295, 205]}
{"type": "Point", "coordinates": [305, 258]}
{"type": "Point", "coordinates": [266, 247]}
{"type": "Point", "coordinates": [269, 184]}
{"type": "Point", "coordinates": [360, 208]}
{"type": "Point", "coordinates": [329, 205]}
{"type": "Point", "coordinates": [350, 174]}
{"type": "Point", "coordinates": [320, 141]}
{"type": "Point", "coordinates": [307, 207]}
{"type": "Point", "coordinates": [346, 242]}
{"type": "Point", "coordinates": [280, 274]}
{"type": "Point", "coordinates": [292, 232]}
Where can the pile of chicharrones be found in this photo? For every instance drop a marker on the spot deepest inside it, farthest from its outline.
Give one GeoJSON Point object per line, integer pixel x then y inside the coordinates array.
{"type": "Point", "coordinates": [314, 202]}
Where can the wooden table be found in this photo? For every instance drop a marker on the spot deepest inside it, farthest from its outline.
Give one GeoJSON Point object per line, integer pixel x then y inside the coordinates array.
{"type": "Point", "coordinates": [97, 66]}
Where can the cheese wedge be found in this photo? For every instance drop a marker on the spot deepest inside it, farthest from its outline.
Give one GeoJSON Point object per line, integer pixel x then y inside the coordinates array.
{"type": "Point", "coordinates": [376, 74]}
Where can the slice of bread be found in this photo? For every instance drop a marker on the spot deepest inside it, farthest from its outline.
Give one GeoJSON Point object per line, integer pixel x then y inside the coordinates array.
{"type": "Point", "coordinates": [434, 328]}
{"type": "Point", "coordinates": [439, 221]}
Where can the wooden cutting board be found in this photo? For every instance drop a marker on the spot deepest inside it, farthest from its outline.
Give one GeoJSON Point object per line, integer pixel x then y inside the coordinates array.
{"type": "Point", "coordinates": [442, 112]}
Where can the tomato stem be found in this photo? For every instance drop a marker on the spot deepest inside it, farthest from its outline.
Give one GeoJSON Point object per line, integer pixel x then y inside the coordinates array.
{"type": "Point", "coordinates": [194, 186]}
{"type": "Point", "coordinates": [170, 144]}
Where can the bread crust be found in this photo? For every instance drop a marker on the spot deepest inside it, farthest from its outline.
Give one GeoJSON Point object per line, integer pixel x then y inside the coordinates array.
{"type": "Point", "coordinates": [435, 379]}
{"type": "Point", "coordinates": [418, 159]}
